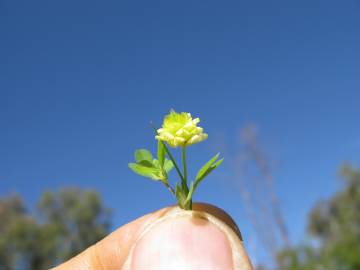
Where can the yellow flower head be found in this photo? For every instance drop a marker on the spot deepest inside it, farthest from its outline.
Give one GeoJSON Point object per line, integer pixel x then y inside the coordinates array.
{"type": "Point", "coordinates": [179, 129]}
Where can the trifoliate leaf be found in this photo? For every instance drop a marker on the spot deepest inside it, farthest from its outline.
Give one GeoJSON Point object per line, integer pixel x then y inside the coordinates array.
{"type": "Point", "coordinates": [209, 170]}
{"type": "Point", "coordinates": [149, 172]}
{"type": "Point", "coordinates": [147, 163]}
{"type": "Point", "coordinates": [168, 165]}
{"type": "Point", "coordinates": [155, 163]}
{"type": "Point", "coordinates": [143, 154]}
{"type": "Point", "coordinates": [203, 170]}
{"type": "Point", "coordinates": [217, 163]}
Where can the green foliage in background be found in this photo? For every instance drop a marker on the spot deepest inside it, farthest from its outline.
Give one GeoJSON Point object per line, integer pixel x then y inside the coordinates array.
{"type": "Point", "coordinates": [334, 228]}
{"type": "Point", "coordinates": [63, 224]}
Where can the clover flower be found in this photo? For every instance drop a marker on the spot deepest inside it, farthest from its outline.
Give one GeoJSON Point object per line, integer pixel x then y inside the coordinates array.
{"type": "Point", "coordinates": [180, 129]}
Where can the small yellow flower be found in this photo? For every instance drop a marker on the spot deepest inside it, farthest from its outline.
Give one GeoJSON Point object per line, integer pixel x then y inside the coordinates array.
{"type": "Point", "coordinates": [179, 129]}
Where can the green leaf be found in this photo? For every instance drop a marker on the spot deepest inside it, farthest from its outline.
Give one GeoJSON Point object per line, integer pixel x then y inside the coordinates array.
{"type": "Point", "coordinates": [168, 165]}
{"type": "Point", "coordinates": [143, 154]}
{"type": "Point", "coordinates": [147, 163]}
{"type": "Point", "coordinates": [156, 164]}
{"type": "Point", "coordinates": [149, 172]}
{"type": "Point", "coordinates": [209, 170]}
{"type": "Point", "coordinates": [217, 163]}
{"type": "Point", "coordinates": [161, 153]}
{"type": "Point", "coordinates": [201, 174]}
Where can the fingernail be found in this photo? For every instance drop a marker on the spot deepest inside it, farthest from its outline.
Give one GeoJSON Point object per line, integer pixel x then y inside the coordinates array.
{"type": "Point", "coordinates": [183, 243]}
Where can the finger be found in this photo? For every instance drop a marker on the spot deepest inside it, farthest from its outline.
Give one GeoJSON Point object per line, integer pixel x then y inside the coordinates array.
{"type": "Point", "coordinates": [206, 238]}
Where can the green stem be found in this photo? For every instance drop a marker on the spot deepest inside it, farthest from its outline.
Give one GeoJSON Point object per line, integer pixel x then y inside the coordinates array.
{"type": "Point", "coordinates": [173, 161]}
{"type": "Point", "coordinates": [170, 188]}
{"type": "Point", "coordinates": [184, 180]}
{"type": "Point", "coordinates": [185, 189]}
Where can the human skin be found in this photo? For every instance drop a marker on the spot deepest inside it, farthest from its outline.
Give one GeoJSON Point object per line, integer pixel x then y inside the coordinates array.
{"type": "Point", "coordinates": [170, 238]}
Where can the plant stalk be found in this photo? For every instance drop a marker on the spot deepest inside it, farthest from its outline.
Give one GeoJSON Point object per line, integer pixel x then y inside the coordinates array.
{"type": "Point", "coordinates": [170, 188]}
{"type": "Point", "coordinates": [184, 182]}
{"type": "Point", "coordinates": [173, 161]}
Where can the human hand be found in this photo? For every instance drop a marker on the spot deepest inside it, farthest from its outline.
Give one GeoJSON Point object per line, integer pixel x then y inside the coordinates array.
{"type": "Point", "coordinates": [171, 238]}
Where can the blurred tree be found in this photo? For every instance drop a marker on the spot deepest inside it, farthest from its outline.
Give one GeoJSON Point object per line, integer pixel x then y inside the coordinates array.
{"type": "Point", "coordinates": [334, 226]}
{"type": "Point", "coordinates": [66, 222]}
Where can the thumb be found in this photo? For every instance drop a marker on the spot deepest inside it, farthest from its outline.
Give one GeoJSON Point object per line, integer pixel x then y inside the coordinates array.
{"type": "Point", "coordinates": [205, 238]}
{"type": "Point", "coordinates": [188, 240]}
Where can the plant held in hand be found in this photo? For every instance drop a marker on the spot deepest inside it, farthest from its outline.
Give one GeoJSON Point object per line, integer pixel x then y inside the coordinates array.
{"type": "Point", "coordinates": [178, 130]}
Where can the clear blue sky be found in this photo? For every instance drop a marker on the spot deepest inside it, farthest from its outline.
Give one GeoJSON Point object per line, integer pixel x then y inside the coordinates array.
{"type": "Point", "coordinates": [80, 81]}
